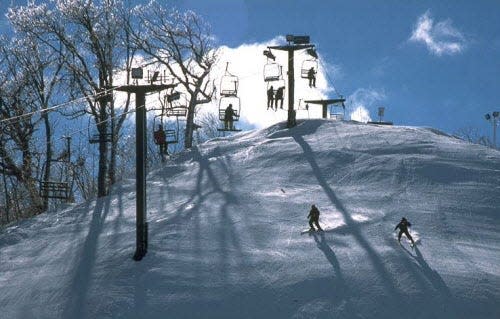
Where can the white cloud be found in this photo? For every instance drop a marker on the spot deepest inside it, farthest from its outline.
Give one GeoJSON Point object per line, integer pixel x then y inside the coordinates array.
{"type": "Point", "coordinates": [440, 38]}
{"type": "Point", "coordinates": [361, 101]}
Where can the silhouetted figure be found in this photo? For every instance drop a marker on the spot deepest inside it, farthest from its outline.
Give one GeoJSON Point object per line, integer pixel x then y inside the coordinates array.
{"type": "Point", "coordinates": [160, 140]}
{"type": "Point", "coordinates": [314, 218]}
{"type": "Point", "coordinates": [403, 229]}
{"type": "Point", "coordinates": [311, 75]}
{"type": "Point", "coordinates": [279, 97]}
{"type": "Point", "coordinates": [229, 117]}
{"type": "Point", "coordinates": [270, 97]}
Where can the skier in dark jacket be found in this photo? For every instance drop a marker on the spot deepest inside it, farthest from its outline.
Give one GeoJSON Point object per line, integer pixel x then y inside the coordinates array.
{"type": "Point", "coordinates": [314, 218]}
{"type": "Point", "coordinates": [403, 229]}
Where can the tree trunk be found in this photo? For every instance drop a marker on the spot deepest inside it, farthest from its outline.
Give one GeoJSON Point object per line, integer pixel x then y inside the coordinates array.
{"type": "Point", "coordinates": [48, 157]}
{"type": "Point", "coordinates": [103, 151]}
{"type": "Point", "coordinates": [114, 145]}
{"type": "Point", "coordinates": [188, 136]}
{"type": "Point", "coordinates": [7, 199]}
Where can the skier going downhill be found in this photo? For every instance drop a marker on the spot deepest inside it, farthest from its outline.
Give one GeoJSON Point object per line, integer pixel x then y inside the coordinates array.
{"type": "Point", "coordinates": [403, 229]}
{"type": "Point", "coordinates": [314, 218]}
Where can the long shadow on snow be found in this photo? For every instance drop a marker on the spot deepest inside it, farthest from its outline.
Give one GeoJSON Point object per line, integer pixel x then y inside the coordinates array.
{"type": "Point", "coordinates": [341, 285]}
{"type": "Point", "coordinates": [78, 288]}
{"type": "Point", "coordinates": [226, 234]}
{"type": "Point", "coordinates": [387, 280]}
{"type": "Point", "coordinates": [439, 300]}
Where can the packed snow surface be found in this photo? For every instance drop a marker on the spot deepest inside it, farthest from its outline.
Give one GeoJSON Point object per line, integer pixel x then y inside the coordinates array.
{"type": "Point", "coordinates": [225, 222]}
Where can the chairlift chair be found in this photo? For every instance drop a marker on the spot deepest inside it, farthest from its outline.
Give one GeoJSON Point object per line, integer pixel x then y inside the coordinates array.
{"type": "Point", "coordinates": [58, 188]}
{"type": "Point", "coordinates": [276, 85]}
{"type": "Point", "coordinates": [95, 137]}
{"type": "Point", "coordinates": [272, 72]}
{"type": "Point", "coordinates": [228, 84]}
{"type": "Point", "coordinates": [280, 83]}
{"type": "Point", "coordinates": [336, 113]}
{"type": "Point", "coordinates": [306, 66]}
{"type": "Point", "coordinates": [223, 104]}
{"type": "Point", "coordinates": [169, 137]}
{"type": "Point", "coordinates": [176, 104]}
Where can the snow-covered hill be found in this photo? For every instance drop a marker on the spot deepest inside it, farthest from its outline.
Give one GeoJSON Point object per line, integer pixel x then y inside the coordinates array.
{"type": "Point", "coordinates": [225, 221]}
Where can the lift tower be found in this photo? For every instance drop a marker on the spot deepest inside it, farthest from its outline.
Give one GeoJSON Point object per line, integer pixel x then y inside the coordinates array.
{"type": "Point", "coordinates": [294, 43]}
{"type": "Point", "coordinates": [140, 155]}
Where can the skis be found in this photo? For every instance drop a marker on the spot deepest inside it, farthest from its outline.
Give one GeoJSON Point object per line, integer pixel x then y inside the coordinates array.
{"type": "Point", "coordinates": [415, 242]}
{"type": "Point", "coordinates": [310, 231]}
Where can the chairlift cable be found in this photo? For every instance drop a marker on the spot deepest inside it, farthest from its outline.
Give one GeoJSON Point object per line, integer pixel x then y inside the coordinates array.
{"type": "Point", "coordinates": [85, 129]}
{"type": "Point", "coordinates": [13, 118]}
{"type": "Point", "coordinates": [330, 81]}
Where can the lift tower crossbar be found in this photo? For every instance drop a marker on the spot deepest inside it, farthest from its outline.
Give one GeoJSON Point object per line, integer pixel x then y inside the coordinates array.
{"type": "Point", "coordinates": [140, 155]}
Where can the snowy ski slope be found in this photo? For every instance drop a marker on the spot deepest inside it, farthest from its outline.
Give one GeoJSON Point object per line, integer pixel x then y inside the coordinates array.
{"type": "Point", "coordinates": [225, 221]}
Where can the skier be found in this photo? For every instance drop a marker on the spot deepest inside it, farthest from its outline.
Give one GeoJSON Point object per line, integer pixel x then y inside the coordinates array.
{"type": "Point", "coordinates": [314, 218]}
{"type": "Point", "coordinates": [403, 229]}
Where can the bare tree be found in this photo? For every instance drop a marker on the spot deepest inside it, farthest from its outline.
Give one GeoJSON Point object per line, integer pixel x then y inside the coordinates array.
{"type": "Point", "coordinates": [43, 78]}
{"type": "Point", "coordinates": [88, 35]}
{"type": "Point", "coordinates": [182, 42]}
{"type": "Point", "coordinates": [209, 123]}
{"type": "Point", "coordinates": [473, 135]}
{"type": "Point", "coordinates": [19, 123]}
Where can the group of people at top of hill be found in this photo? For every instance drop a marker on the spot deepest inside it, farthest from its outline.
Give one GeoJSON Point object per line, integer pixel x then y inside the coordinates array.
{"type": "Point", "coordinates": [403, 225]}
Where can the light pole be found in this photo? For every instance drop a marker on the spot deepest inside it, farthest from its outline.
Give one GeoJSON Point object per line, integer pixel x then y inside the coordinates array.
{"type": "Point", "coordinates": [493, 119]}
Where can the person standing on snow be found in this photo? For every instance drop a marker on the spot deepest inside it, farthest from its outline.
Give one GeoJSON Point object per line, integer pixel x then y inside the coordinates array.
{"type": "Point", "coordinates": [403, 229]}
{"type": "Point", "coordinates": [314, 218]}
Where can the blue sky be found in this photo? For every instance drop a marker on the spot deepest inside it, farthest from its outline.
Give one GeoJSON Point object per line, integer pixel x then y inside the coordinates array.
{"type": "Point", "coordinates": [429, 63]}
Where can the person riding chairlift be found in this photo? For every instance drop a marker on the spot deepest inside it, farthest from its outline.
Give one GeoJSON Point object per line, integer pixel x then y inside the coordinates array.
{"type": "Point", "coordinates": [270, 97]}
{"type": "Point", "coordinates": [311, 75]}
{"type": "Point", "coordinates": [229, 117]}
{"type": "Point", "coordinates": [160, 139]}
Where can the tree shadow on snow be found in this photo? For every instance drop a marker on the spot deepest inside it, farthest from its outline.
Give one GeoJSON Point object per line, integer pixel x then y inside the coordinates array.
{"type": "Point", "coordinates": [78, 287]}
{"type": "Point", "coordinates": [387, 281]}
{"type": "Point", "coordinates": [194, 215]}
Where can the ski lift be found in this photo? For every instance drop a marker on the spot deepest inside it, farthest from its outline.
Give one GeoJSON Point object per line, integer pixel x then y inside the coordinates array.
{"type": "Point", "coordinates": [176, 104]}
{"type": "Point", "coordinates": [306, 67]}
{"type": "Point", "coordinates": [95, 136]}
{"type": "Point", "coordinates": [275, 79]}
{"type": "Point", "coordinates": [278, 88]}
{"type": "Point", "coordinates": [161, 135]}
{"type": "Point", "coordinates": [57, 186]}
{"type": "Point", "coordinates": [337, 111]}
{"type": "Point", "coordinates": [228, 84]}
{"type": "Point", "coordinates": [224, 103]}
{"type": "Point", "coordinates": [272, 72]}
